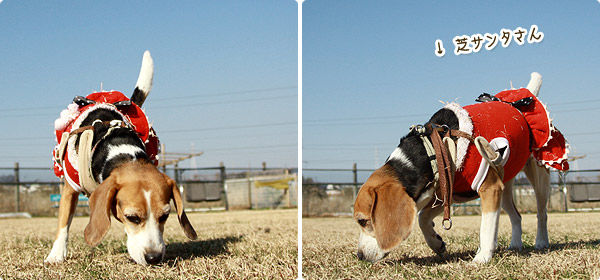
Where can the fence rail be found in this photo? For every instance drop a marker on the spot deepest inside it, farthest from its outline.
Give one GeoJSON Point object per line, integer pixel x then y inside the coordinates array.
{"type": "Point", "coordinates": [29, 189]}
{"type": "Point", "coordinates": [332, 191]}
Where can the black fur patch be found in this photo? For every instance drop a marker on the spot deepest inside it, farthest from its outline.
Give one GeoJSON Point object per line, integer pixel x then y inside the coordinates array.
{"type": "Point", "coordinates": [101, 168]}
{"type": "Point", "coordinates": [138, 97]}
{"type": "Point", "coordinates": [416, 179]}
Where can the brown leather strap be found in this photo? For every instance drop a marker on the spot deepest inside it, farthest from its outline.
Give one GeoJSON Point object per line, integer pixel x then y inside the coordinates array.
{"type": "Point", "coordinates": [445, 166]}
{"type": "Point", "coordinates": [91, 127]}
{"type": "Point", "coordinates": [459, 133]}
{"type": "Point", "coordinates": [82, 129]}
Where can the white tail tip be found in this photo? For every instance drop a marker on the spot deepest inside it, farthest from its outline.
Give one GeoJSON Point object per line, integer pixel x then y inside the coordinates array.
{"type": "Point", "coordinates": [144, 82]}
{"type": "Point", "coordinates": [535, 83]}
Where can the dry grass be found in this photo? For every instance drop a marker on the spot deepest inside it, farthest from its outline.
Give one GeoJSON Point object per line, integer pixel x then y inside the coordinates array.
{"type": "Point", "coordinates": [329, 247]}
{"type": "Point", "coordinates": [230, 245]}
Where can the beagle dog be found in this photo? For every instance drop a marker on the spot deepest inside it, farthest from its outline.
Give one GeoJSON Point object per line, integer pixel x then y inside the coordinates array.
{"type": "Point", "coordinates": [122, 178]}
{"type": "Point", "coordinates": [522, 136]}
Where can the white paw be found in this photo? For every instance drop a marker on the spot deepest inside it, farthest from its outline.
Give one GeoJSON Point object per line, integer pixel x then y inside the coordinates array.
{"type": "Point", "coordinates": [58, 253]}
{"type": "Point", "coordinates": [482, 257]}
{"type": "Point", "coordinates": [53, 258]}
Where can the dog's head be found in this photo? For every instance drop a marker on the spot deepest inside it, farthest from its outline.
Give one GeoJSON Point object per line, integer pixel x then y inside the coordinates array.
{"type": "Point", "coordinates": [139, 196]}
{"type": "Point", "coordinates": [385, 213]}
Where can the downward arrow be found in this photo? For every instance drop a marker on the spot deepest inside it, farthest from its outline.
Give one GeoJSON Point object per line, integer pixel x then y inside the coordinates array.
{"type": "Point", "coordinates": [440, 51]}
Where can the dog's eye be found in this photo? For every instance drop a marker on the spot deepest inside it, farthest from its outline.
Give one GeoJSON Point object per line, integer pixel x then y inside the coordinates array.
{"type": "Point", "coordinates": [134, 219]}
{"type": "Point", "coordinates": [362, 222]}
{"type": "Point", "coordinates": [163, 218]}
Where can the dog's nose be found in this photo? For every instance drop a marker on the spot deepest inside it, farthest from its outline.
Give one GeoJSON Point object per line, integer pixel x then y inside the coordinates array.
{"type": "Point", "coordinates": [153, 258]}
{"type": "Point", "coordinates": [360, 255]}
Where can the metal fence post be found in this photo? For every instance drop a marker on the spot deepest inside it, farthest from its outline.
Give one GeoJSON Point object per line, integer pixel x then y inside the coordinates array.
{"type": "Point", "coordinates": [17, 186]}
{"type": "Point", "coordinates": [176, 173]}
{"type": "Point", "coordinates": [223, 178]}
{"type": "Point", "coordinates": [355, 181]}
{"type": "Point", "coordinates": [249, 189]}
{"type": "Point", "coordinates": [563, 181]}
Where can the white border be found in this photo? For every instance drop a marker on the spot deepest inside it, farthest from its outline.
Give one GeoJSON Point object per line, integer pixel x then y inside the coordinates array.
{"type": "Point", "coordinates": [300, 138]}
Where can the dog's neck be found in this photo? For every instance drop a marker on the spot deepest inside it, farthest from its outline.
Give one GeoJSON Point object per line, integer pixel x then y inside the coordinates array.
{"type": "Point", "coordinates": [411, 163]}
{"type": "Point", "coordinates": [121, 146]}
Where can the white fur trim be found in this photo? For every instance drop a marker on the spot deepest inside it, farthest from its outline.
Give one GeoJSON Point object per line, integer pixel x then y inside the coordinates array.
{"type": "Point", "coordinates": [66, 116]}
{"type": "Point", "coordinates": [72, 183]}
{"type": "Point", "coordinates": [465, 125]}
{"type": "Point", "coordinates": [144, 82]}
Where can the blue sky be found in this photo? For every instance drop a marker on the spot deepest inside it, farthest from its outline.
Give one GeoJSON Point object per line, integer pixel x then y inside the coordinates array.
{"type": "Point", "coordinates": [369, 71]}
{"type": "Point", "coordinates": [225, 74]}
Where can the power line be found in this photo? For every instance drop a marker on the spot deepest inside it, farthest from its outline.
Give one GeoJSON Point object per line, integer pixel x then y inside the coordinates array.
{"type": "Point", "coordinates": [366, 118]}
{"type": "Point", "coordinates": [228, 127]}
{"type": "Point", "coordinates": [224, 102]}
{"type": "Point", "coordinates": [228, 93]}
{"type": "Point", "coordinates": [249, 91]}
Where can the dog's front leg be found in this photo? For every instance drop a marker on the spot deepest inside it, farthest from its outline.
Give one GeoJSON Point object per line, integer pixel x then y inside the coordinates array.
{"type": "Point", "coordinates": [434, 241]}
{"type": "Point", "coordinates": [66, 209]}
{"type": "Point", "coordinates": [491, 194]}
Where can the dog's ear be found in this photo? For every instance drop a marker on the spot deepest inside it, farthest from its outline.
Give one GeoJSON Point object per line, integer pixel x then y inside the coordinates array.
{"type": "Point", "coordinates": [144, 82]}
{"type": "Point", "coordinates": [392, 215]}
{"type": "Point", "coordinates": [100, 203]}
{"type": "Point", "coordinates": [183, 219]}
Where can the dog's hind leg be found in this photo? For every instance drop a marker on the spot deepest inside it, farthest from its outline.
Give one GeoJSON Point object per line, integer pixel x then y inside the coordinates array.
{"type": "Point", "coordinates": [434, 241]}
{"type": "Point", "coordinates": [491, 195]}
{"type": "Point", "coordinates": [66, 209]}
{"type": "Point", "coordinates": [508, 205]}
{"type": "Point", "coordinates": [539, 177]}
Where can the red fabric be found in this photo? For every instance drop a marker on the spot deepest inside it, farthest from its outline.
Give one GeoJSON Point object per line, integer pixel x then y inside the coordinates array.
{"type": "Point", "coordinates": [499, 119]}
{"type": "Point", "coordinates": [134, 115]}
{"type": "Point", "coordinates": [554, 154]}
{"type": "Point", "coordinates": [535, 114]}
{"type": "Point", "coordinates": [491, 120]}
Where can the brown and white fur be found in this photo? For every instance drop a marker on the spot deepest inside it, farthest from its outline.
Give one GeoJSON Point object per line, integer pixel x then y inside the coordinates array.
{"type": "Point", "coordinates": [134, 191]}
{"type": "Point", "coordinates": [386, 212]}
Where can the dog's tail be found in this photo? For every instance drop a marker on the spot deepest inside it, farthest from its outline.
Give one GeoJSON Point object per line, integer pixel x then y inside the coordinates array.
{"type": "Point", "coordinates": [535, 83]}
{"type": "Point", "coordinates": [144, 82]}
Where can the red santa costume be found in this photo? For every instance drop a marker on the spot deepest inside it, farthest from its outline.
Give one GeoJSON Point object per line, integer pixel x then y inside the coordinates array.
{"type": "Point", "coordinates": [516, 133]}
{"type": "Point", "coordinates": [66, 161]}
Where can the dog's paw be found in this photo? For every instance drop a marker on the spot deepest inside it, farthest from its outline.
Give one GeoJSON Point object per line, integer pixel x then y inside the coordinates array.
{"type": "Point", "coordinates": [52, 258]}
{"type": "Point", "coordinates": [542, 245]}
{"type": "Point", "coordinates": [516, 245]}
{"type": "Point", "coordinates": [58, 253]}
{"type": "Point", "coordinates": [441, 250]}
{"type": "Point", "coordinates": [482, 257]}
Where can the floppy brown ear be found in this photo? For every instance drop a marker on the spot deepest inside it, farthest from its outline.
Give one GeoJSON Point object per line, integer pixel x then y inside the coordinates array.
{"type": "Point", "coordinates": [183, 219]}
{"type": "Point", "coordinates": [100, 204]}
{"type": "Point", "coordinates": [392, 214]}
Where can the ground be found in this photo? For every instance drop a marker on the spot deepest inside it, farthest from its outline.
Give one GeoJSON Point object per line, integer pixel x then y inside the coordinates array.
{"type": "Point", "coordinates": [230, 245]}
{"type": "Point", "coordinates": [329, 251]}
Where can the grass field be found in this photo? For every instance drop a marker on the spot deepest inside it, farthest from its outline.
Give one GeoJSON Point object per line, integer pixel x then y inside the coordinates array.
{"type": "Point", "coordinates": [329, 248]}
{"type": "Point", "coordinates": [230, 245]}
